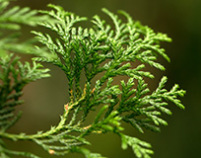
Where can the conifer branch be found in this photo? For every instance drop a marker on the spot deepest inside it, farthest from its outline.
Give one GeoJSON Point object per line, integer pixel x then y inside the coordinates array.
{"type": "Point", "coordinates": [100, 50]}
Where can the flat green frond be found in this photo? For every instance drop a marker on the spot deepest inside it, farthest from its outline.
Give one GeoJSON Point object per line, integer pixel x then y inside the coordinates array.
{"type": "Point", "coordinates": [119, 26]}
{"type": "Point", "coordinates": [11, 19]}
{"type": "Point", "coordinates": [16, 15]}
{"type": "Point", "coordinates": [140, 148]}
{"type": "Point", "coordinates": [14, 76]}
{"type": "Point", "coordinates": [111, 52]}
{"type": "Point", "coordinates": [169, 95]}
{"type": "Point", "coordinates": [98, 57]}
{"type": "Point", "coordinates": [62, 21]}
{"type": "Point", "coordinates": [83, 49]}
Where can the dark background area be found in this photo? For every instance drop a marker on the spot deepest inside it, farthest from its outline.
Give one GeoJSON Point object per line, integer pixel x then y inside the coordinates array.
{"type": "Point", "coordinates": [181, 20]}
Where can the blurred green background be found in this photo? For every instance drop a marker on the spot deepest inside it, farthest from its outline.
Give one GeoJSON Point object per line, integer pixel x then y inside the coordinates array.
{"type": "Point", "coordinates": [181, 20]}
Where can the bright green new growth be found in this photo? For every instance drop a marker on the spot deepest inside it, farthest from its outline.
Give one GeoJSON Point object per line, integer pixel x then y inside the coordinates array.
{"type": "Point", "coordinates": [97, 50]}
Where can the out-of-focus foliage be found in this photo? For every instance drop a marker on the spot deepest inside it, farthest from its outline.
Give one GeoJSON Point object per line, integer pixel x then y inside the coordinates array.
{"type": "Point", "coordinates": [11, 21]}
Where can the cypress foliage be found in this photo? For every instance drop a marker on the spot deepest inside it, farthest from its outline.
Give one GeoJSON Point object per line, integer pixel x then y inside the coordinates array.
{"type": "Point", "coordinates": [109, 50]}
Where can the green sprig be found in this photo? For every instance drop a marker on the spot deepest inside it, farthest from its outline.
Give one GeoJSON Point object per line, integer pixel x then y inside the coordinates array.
{"type": "Point", "coordinates": [96, 56]}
